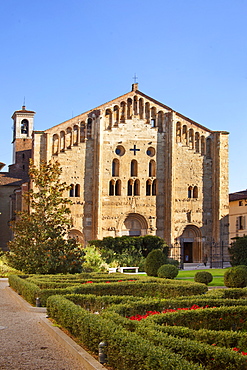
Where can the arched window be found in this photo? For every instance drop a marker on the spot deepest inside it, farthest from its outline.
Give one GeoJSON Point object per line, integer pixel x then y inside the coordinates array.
{"type": "Point", "coordinates": [24, 126]}
{"type": "Point", "coordinates": [118, 187]}
{"type": "Point", "coordinates": [129, 108]}
{"type": "Point", "coordinates": [77, 190]}
{"type": "Point", "coordinates": [154, 187]}
{"type": "Point", "coordinates": [189, 191]}
{"type": "Point", "coordinates": [82, 132]}
{"type": "Point", "coordinates": [153, 117]}
{"type": "Point", "coordinates": [123, 107]}
{"type": "Point", "coordinates": [115, 167]}
{"type": "Point", "coordinates": [135, 105]}
{"type": "Point", "coordinates": [133, 168]}
{"type": "Point", "coordinates": [76, 135]}
{"type": "Point", "coordinates": [203, 145]}
{"type": "Point", "coordinates": [178, 132]}
{"type": "Point", "coordinates": [208, 148]}
{"type": "Point", "coordinates": [55, 141]}
{"type": "Point", "coordinates": [141, 108]}
{"type": "Point", "coordinates": [116, 115]}
{"type": "Point", "coordinates": [147, 112]}
{"type": "Point", "coordinates": [111, 187]}
{"type": "Point", "coordinates": [197, 142]}
{"type": "Point", "coordinates": [71, 190]}
{"type": "Point", "coordinates": [151, 169]}
{"type": "Point", "coordinates": [89, 128]}
{"type": "Point", "coordinates": [130, 188]}
{"type": "Point", "coordinates": [68, 138]}
{"type": "Point", "coordinates": [184, 135]}
{"type": "Point", "coordinates": [62, 141]}
{"type": "Point", "coordinates": [191, 139]}
{"type": "Point", "coordinates": [195, 192]}
{"type": "Point", "coordinates": [148, 187]}
{"type": "Point", "coordinates": [137, 187]}
{"type": "Point", "coordinates": [108, 116]}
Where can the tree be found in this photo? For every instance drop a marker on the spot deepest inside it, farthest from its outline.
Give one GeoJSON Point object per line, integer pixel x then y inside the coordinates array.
{"type": "Point", "coordinates": [238, 251]}
{"type": "Point", "coordinates": [41, 244]}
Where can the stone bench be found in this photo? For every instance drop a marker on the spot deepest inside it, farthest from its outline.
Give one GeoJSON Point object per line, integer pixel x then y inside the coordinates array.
{"type": "Point", "coordinates": [121, 269]}
{"type": "Point", "coordinates": [112, 270]}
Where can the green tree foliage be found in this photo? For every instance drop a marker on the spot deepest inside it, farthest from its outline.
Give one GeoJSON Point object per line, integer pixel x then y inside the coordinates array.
{"type": "Point", "coordinates": [41, 244]}
{"type": "Point", "coordinates": [236, 277]}
{"type": "Point", "coordinates": [93, 260]}
{"type": "Point", "coordinates": [155, 259]}
{"type": "Point", "coordinates": [238, 251]}
{"type": "Point", "coordinates": [129, 251]}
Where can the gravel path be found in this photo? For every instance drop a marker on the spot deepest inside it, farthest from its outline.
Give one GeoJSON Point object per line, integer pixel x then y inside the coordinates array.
{"type": "Point", "coordinates": [24, 343]}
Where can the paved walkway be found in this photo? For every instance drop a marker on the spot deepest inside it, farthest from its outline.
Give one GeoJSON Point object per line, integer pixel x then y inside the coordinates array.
{"type": "Point", "coordinates": [24, 343]}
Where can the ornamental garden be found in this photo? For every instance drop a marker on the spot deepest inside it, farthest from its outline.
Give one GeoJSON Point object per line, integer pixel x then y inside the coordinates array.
{"type": "Point", "coordinates": [145, 322]}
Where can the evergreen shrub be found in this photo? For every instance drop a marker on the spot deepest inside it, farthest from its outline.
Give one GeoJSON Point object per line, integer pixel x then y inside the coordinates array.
{"type": "Point", "coordinates": [154, 260]}
{"type": "Point", "coordinates": [236, 277]}
{"type": "Point", "coordinates": [167, 271]}
{"type": "Point", "coordinates": [203, 277]}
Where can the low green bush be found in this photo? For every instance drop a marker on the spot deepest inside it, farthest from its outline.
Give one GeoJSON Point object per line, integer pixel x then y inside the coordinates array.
{"type": "Point", "coordinates": [228, 339]}
{"type": "Point", "coordinates": [192, 350]}
{"type": "Point", "coordinates": [154, 260]}
{"type": "Point", "coordinates": [125, 350]}
{"type": "Point", "coordinates": [218, 318]}
{"type": "Point", "coordinates": [28, 290]}
{"type": "Point", "coordinates": [236, 277]}
{"type": "Point", "coordinates": [167, 271]}
{"type": "Point", "coordinates": [203, 277]}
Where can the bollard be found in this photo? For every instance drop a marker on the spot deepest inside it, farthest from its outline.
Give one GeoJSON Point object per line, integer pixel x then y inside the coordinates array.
{"type": "Point", "coordinates": [38, 304]}
{"type": "Point", "coordinates": [102, 353]}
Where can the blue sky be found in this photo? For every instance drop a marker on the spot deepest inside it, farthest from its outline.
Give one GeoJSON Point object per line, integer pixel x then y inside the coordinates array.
{"type": "Point", "coordinates": [66, 57]}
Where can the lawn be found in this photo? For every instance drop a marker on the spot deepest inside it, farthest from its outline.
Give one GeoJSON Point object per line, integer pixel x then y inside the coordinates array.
{"type": "Point", "coordinates": [218, 275]}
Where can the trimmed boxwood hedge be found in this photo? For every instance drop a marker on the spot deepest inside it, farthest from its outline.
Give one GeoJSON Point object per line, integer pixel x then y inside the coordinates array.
{"type": "Point", "coordinates": [125, 350]}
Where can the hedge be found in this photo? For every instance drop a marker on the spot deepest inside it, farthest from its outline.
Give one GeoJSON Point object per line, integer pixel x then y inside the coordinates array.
{"type": "Point", "coordinates": [125, 350]}
{"type": "Point", "coordinates": [211, 357]}
{"type": "Point", "coordinates": [228, 339]}
{"type": "Point", "coordinates": [218, 318]}
{"type": "Point", "coordinates": [28, 290]}
{"type": "Point", "coordinates": [150, 304]}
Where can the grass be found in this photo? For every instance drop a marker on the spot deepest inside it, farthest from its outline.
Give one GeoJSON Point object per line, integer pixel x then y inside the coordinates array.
{"type": "Point", "coordinates": [218, 276]}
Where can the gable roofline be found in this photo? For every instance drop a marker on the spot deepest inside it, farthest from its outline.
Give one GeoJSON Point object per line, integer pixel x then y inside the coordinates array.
{"type": "Point", "coordinates": [136, 92]}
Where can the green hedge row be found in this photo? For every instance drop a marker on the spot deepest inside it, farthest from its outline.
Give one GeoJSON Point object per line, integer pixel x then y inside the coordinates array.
{"type": "Point", "coordinates": [25, 288]}
{"type": "Point", "coordinates": [219, 318]}
{"type": "Point", "coordinates": [151, 304]}
{"type": "Point", "coordinates": [135, 288]}
{"type": "Point", "coordinates": [211, 357]}
{"type": "Point", "coordinates": [228, 339]}
{"type": "Point", "coordinates": [125, 350]}
{"type": "Point", "coordinates": [140, 289]}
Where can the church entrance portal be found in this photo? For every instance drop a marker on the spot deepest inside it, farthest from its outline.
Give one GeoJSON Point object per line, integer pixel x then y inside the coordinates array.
{"type": "Point", "coordinates": [134, 225]}
{"type": "Point", "coordinates": [188, 252]}
{"type": "Point", "coordinates": [191, 239]}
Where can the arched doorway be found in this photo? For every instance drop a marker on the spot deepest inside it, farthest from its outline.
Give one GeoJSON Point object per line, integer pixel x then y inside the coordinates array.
{"type": "Point", "coordinates": [77, 235]}
{"type": "Point", "coordinates": [134, 225]}
{"type": "Point", "coordinates": [190, 242]}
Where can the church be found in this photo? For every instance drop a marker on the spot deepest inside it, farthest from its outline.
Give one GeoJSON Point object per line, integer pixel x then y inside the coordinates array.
{"type": "Point", "coordinates": [135, 167]}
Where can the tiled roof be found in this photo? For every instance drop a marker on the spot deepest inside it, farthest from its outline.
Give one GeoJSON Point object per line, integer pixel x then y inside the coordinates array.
{"type": "Point", "coordinates": [8, 179]}
{"type": "Point", "coordinates": [238, 195]}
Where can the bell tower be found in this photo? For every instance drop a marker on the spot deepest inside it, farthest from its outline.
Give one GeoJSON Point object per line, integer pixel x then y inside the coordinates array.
{"type": "Point", "coordinates": [22, 140]}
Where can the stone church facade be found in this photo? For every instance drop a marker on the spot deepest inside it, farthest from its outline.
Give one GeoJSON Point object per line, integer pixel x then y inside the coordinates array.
{"type": "Point", "coordinates": [137, 167]}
